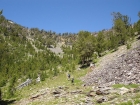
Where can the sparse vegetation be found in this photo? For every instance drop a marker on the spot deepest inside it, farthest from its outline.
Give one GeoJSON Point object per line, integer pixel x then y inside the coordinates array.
{"type": "Point", "coordinates": [127, 86]}
{"type": "Point", "coordinates": [126, 103]}
{"type": "Point", "coordinates": [24, 53]}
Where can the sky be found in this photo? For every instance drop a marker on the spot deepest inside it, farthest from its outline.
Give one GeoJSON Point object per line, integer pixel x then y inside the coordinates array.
{"type": "Point", "coordinates": [68, 15]}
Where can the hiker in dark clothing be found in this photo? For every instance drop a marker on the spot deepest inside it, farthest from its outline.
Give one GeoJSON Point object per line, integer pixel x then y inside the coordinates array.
{"type": "Point", "coordinates": [68, 76]}
{"type": "Point", "coordinates": [72, 80]}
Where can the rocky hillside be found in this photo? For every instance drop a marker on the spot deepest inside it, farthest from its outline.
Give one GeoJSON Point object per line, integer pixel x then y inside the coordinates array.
{"type": "Point", "coordinates": [122, 67]}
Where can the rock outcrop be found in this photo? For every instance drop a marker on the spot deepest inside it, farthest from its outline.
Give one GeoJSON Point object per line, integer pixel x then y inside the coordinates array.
{"type": "Point", "coordinates": [125, 69]}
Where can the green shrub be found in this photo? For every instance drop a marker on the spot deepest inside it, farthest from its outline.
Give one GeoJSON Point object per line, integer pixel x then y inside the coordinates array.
{"type": "Point", "coordinates": [126, 103]}
{"type": "Point", "coordinates": [10, 91]}
{"type": "Point", "coordinates": [2, 83]}
{"type": "Point", "coordinates": [136, 101]}
{"type": "Point", "coordinates": [128, 45]}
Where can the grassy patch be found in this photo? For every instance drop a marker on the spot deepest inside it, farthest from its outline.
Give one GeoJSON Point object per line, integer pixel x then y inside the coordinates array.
{"type": "Point", "coordinates": [126, 86]}
{"type": "Point", "coordinates": [136, 96]}
{"type": "Point", "coordinates": [118, 85]}
{"type": "Point", "coordinates": [53, 102]}
{"type": "Point", "coordinates": [52, 83]}
{"type": "Point", "coordinates": [126, 103]}
{"type": "Point", "coordinates": [136, 101]}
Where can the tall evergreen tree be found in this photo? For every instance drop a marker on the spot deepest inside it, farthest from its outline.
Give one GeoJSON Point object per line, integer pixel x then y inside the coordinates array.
{"type": "Point", "coordinates": [85, 45]}
{"type": "Point", "coordinates": [121, 24]}
{"type": "Point", "coordinates": [100, 43]}
{"type": "Point", "coordinates": [1, 11]}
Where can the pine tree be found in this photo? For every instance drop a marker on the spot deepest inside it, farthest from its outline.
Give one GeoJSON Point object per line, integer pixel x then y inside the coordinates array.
{"type": "Point", "coordinates": [121, 27]}
{"type": "Point", "coordinates": [85, 46]}
{"type": "Point", "coordinates": [1, 11]}
{"type": "Point", "coordinates": [100, 43]}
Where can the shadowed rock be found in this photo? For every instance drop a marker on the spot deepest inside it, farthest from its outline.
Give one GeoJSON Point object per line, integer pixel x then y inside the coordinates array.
{"type": "Point", "coordinates": [101, 100]}
{"type": "Point", "coordinates": [56, 92]}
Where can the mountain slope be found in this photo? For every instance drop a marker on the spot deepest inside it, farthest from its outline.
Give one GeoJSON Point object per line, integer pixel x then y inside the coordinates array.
{"type": "Point", "coordinates": [120, 67]}
{"type": "Point", "coordinates": [60, 91]}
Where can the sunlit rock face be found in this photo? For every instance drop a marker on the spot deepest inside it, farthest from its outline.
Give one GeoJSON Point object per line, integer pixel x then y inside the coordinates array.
{"type": "Point", "coordinates": [125, 69]}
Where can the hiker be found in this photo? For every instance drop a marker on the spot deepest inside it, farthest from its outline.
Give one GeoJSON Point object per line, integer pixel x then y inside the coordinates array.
{"type": "Point", "coordinates": [72, 80]}
{"type": "Point", "coordinates": [68, 75]}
